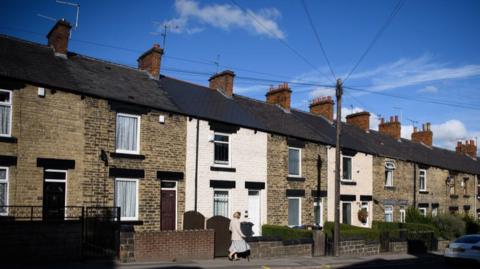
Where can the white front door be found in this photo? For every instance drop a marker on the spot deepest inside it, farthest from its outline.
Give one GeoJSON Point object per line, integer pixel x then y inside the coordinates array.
{"type": "Point", "coordinates": [254, 211]}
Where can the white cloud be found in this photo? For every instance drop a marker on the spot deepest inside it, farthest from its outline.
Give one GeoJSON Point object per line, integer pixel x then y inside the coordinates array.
{"type": "Point", "coordinates": [192, 16]}
{"type": "Point", "coordinates": [409, 72]}
{"type": "Point", "coordinates": [428, 89]}
{"type": "Point", "coordinates": [322, 91]}
{"type": "Point", "coordinates": [250, 89]}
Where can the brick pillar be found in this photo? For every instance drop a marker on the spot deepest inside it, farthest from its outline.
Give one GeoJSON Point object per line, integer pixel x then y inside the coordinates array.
{"type": "Point", "coordinates": [127, 243]}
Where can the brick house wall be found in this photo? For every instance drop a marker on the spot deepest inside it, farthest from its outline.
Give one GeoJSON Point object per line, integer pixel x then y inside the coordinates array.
{"type": "Point", "coordinates": [436, 194]}
{"type": "Point", "coordinates": [64, 125]}
{"type": "Point", "coordinates": [277, 173]}
{"type": "Point", "coordinates": [248, 158]}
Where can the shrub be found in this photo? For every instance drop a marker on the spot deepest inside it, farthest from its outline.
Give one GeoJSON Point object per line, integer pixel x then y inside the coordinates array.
{"type": "Point", "coordinates": [472, 226]}
{"type": "Point", "coordinates": [284, 232]}
{"type": "Point", "coordinates": [413, 216]}
{"type": "Point", "coordinates": [449, 226]}
{"type": "Point", "coordinates": [349, 232]}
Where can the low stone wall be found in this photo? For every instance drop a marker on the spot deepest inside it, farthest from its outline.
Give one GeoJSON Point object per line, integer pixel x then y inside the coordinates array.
{"type": "Point", "coordinates": [442, 245]}
{"type": "Point", "coordinates": [166, 245]}
{"type": "Point", "coordinates": [40, 241]}
{"type": "Point", "coordinates": [398, 247]}
{"type": "Point", "coordinates": [358, 248]}
{"type": "Point", "coordinates": [271, 249]}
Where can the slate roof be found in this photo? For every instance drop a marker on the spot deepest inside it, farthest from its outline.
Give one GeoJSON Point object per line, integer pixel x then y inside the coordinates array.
{"type": "Point", "coordinates": [37, 64]}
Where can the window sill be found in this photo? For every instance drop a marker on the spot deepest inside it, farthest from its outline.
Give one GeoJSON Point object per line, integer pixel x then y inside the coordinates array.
{"type": "Point", "coordinates": [389, 188]}
{"type": "Point", "coordinates": [453, 196]}
{"type": "Point", "coordinates": [223, 169]}
{"type": "Point", "coordinates": [131, 222]}
{"type": "Point", "coordinates": [423, 192]}
{"type": "Point", "coordinates": [8, 139]}
{"type": "Point", "coordinates": [466, 196]}
{"type": "Point", "coordinates": [348, 182]}
{"type": "Point", "coordinates": [127, 155]}
{"type": "Point", "coordinates": [293, 178]}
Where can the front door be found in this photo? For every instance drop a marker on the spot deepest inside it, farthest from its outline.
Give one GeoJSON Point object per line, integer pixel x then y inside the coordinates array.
{"type": "Point", "coordinates": [254, 211]}
{"type": "Point", "coordinates": [54, 194]}
{"type": "Point", "coordinates": [168, 209]}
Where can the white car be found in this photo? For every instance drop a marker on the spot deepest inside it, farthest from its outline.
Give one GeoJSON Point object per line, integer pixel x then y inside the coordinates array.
{"type": "Point", "coordinates": [466, 247]}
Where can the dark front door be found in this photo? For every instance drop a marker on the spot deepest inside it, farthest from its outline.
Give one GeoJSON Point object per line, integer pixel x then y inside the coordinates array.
{"type": "Point", "coordinates": [168, 209]}
{"type": "Point", "coordinates": [54, 200]}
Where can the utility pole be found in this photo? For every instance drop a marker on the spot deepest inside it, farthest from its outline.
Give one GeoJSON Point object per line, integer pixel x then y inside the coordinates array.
{"type": "Point", "coordinates": [336, 228]}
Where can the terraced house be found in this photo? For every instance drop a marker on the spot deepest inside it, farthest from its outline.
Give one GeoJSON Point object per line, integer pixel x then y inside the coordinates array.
{"type": "Point", "coordinates": [78, 131]}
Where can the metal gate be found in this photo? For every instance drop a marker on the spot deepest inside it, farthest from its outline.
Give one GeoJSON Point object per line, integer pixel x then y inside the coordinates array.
{"type": "Point", "coordinates": [222, 234]}
{"type": "Point", "coordinates": [101, 230]}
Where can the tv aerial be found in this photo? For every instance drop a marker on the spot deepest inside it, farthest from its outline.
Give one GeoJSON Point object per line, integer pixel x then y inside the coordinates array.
{"type": "Point", "coordinates": [77, 6]}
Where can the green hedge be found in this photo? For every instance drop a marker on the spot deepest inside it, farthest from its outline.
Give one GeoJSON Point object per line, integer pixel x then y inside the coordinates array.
{"type": "Point", "coordinates": [396, 227]}
{"type": "Point", "coordinates": [349, 232]}
{"type": "Point", "coordinates": [286, 233]}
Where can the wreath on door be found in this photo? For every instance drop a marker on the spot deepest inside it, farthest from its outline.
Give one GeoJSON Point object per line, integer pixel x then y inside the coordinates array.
{"type": "Point", "coordinates": [362, 215]}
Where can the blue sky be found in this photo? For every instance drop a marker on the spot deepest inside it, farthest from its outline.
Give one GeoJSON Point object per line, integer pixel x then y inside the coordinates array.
{"type": "Point", "coordinates": [428, 52]}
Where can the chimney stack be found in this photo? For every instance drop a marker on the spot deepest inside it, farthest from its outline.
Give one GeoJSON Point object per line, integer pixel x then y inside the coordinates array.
{"type": "Point", "coordinates": [58, 37]}
{"type": "Point", "coordinates": [391, 128]}
{"type": "Point", "coordinates": [360, 119]}
{"type": "Point", "coordinates": [223, 81]}
{"type": "Point", "coordinates": [469, 148]}
{"type": "Point", "coordinates": [424, 136]}
{"type": "Point", "coordinates": [280, 96]}
{"type": "Point", "coordinates": [322, 106]}
{"type": "Point", "coordinates": [150, 61]}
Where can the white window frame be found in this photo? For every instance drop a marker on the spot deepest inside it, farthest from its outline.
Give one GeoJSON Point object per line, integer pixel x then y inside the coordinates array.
{"type": "Point", "coordinates": [299, 210]}
{"type": "Point", "coordinates": [351, 168]}
{"type": "Point", "coordinates": [137, 198]}
{"type": "Point", "coordinates": [138, 117]}
{"type": "Point", "coordinates": [424, 178]}
{"type": "Point", "coordinates": [222, 163]}
{"type": "Point", "coordinates": [10, 104]}
{"type": "Point", "coordinates": [299, 162]}
{"type": "Point", "coordinates": [390, 210]}
{"type": "Point", "coordinates": [228, 201]}
{"type": "Point", "coordinates": [365, 205]}
{"type": "Point", "coordinates": [176, 197]}
{"type": "Point", "coordinates": [464, 185]}
{"type": "Point", "coordinates": [389, 168]}
{"type": "Point", "coordinates": [403, 215]}
{"type": "Point", "coordinates": [351, 208]}
{"type": "Point", "coordinates": [434, 211]}
{"type": "Point", "coordinates": [319, 204]}
{"type": "Point", "coordinates": [7, 173]}
{"type": "Point", "coordinates": [423, 211]}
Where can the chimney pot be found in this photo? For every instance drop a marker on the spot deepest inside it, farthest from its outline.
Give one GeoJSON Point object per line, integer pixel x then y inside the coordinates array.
{"type": "Point", "coordinates": [469, 148]}
{"type": "Point", "coordinates": [280, 96]}
{"type": "Point", "coordinates": [58, 36]}
{"type": "Point", "coordinates": [424, 136]}
{"type": "Point", "coordinates": [222, 81]}
{"type": "Point", "coordinates": [322, 106]}
{"type": "Point", "coordinates": [151, 60]}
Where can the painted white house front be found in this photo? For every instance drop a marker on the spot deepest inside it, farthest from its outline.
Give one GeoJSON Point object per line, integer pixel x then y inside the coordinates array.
{"type": "Point", "coordinates": [356, 178]}
{"type": "Point", "coordinates": [232, 171]}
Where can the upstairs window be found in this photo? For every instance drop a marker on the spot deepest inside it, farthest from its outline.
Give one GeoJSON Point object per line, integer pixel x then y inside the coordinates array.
{"type": "Point", "coordinates": [128, 133]}
{"type": "Point", "coordinates": [294, 162]}
{"type": "Point", "coordinates": [451, 185]}
{"type": "Point", "coordinates": [5, 112]}
{"type": "Point", "coordinates": [221, 149]}
{"type": "Point", "coordinates": [423, 180]}
{"type": "Point", "coordinates": [347, 168]}
{"type": "Point", "coordinates": [389, 168]}
{"type": "Point", "coordinates": [464, 185]}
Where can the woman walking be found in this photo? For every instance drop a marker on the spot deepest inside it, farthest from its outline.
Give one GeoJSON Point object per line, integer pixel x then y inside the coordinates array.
{"type": "Point", "coordinates": [238, 243]}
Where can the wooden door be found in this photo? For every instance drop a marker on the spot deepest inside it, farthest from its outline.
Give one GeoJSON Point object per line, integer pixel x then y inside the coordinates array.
{"type": "Point", "coordinates": [168, 210]}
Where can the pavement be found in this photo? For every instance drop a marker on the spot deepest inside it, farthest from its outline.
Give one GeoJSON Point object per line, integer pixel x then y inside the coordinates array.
{"type": "Point", "coordinates": [390, 261]}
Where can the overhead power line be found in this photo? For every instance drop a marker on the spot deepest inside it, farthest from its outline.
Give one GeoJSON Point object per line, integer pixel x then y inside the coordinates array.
{"type": "Point", "coordinates": [390, 18]}
{"type": "Point", "coordinates": [285, 43]}
{"type": "Point", "coordinates": [318, 39]}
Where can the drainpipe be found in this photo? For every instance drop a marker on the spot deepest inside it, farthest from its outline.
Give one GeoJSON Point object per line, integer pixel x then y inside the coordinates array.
{"type": "Point", "coordinates": [196, 165]}
{"type": "Point", "coordinates": [319, 177]}
{"type": "Point", "coordinates": [414, 185]}
{"type": "Point", "coordinates": [476, 195]}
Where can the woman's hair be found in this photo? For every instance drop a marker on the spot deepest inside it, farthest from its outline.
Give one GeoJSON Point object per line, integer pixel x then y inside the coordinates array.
{"type": "Point", "coordinates": [236, 215]}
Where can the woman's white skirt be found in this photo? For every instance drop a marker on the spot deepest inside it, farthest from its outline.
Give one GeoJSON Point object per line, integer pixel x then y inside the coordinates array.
{"type": "Point", "coordinates": [239, 246]}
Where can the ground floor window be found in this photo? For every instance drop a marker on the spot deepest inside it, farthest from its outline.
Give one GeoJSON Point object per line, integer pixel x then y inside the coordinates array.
{"type": "Point", "coordinates": [220, 203]}
{"type": "Point", "coordinates": [317, 212]}
{"type": "Point", "coordinates": [402, 215]}
{"type": "Point", "coordinates": [388, 213]}
{"type": "Point", "coordinates": [347, 213]}
{"type": "Point", "coordinates": [434, 212]}
{"type": "Point", "coordinates": [423, 211]}
{"type": "Point", "coordinates": [364, 206]}
{"type": "Point", "coordinates": [294, 211]}
{"type": "Point", "coordinates": [3, 190]}
{"type": "Point", "coordinates": [126, 197]}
